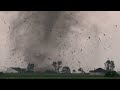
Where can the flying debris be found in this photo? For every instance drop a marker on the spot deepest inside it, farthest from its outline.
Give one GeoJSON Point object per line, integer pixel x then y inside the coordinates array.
{"type": "Point", "coordinates": [89, 37]}
{"type": "Point", "coordinates": [48, 58]}
{"type": "Point", "coordinates": [9, 27]}
{"type": "Point", "coordinates": [47, 36]}
{"type": "Point", "coordinates": [99, 39]}
{"type": "Point", "coordinates": [4, 22]}
{"type": "Point", "coordinates": [72, 52]}
{"type": "Point", "coordinates": [79, 61]}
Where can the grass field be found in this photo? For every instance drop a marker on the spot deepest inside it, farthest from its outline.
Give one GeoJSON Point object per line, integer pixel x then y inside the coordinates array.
{"type": "Point", "coordinates": [51, 76]}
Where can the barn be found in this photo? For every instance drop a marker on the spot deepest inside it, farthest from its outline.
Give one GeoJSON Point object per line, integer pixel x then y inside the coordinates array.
{"type": "Point", "coordinates": [11, 70]}
{"type": "Point", "coordinates": [98, 71]}
{"type": "Point", "coordinates": [15, 70]}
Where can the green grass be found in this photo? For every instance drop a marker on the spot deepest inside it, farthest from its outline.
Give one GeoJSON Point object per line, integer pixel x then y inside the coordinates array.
{"type": "Point", "coordinates": [51, 76]}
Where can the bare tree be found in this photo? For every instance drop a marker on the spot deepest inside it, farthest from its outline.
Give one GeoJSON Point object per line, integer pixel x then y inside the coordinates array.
{"type": "Point", "coordinates": [54, 65]}
{"type": "Point", "coordinates": [57, 65]}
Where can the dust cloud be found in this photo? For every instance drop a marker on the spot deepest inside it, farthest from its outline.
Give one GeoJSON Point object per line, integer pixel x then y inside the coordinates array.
{"type": "Point", "coordinates": [78, 38]}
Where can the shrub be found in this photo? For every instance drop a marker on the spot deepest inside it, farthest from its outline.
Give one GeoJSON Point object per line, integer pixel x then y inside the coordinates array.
{"type": "Point", "coordinates": [111, 74]}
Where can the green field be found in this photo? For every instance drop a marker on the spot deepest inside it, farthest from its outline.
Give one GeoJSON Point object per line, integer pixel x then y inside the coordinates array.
{"type": "Point", "coordinates": [51, 76]}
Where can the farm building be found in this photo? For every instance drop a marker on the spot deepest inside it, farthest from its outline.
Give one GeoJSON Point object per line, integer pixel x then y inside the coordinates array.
{"type": "Point", "coordinates": [15, 70]}
{"type": "Point", "coordinates": [98, 71]}
{"type": "Point", "coordinates": [11, 70]}
{"type": "Point", "coordinates": [19, 70]}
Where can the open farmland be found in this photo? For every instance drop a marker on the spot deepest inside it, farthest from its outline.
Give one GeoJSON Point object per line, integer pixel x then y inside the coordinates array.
{"type": "Point", "coordinates": [51, 76]}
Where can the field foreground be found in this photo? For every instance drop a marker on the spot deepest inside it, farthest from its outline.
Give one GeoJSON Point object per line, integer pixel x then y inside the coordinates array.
{"type": "Point", "coordinates": [51, 76]}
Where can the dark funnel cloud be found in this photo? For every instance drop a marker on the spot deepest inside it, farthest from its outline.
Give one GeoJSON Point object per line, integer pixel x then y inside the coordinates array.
{"type": "Point", "coordinates": [37, 35]}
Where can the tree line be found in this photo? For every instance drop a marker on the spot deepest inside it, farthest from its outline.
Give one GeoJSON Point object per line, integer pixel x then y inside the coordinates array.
{"type": "Point", "coordinates": [109, 67]}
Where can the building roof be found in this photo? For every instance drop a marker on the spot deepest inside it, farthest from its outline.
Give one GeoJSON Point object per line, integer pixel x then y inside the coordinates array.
{"type": "Point", "coordinates": [99, 70]}
{"type": "Point", "coordinates": [18, 69]}
{"type": "Point", "coordinates": [10, 70]}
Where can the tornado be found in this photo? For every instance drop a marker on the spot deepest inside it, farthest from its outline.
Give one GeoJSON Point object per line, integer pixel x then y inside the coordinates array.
{"type": "Point", "coordinates": [77, 38]}
{"type": "Point", "coordinates": [36, 36]}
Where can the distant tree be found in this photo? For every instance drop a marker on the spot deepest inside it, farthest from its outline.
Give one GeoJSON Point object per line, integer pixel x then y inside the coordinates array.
{"type": "Point", "coordinates": [1, 73]}
{"type": "Point", "coordinates": [73, 71]}
{"type": "Point", "coordinates": [111, 74]}
{"type": "Point", "coordinates": [112, 66]}
{"type": "Point", "coordinates": [109, 65]}
{"type": "Point", "coordinates": [59, 62]}
{"type": "Point", "coordinates": [110, 69]}
{"type": "Point", "coordinates": [30, 67]}
{"type": "Point", "coordinates": [66, 69]}
{"type": "Point", "coordinates": [57, 65]}
{"type": "Point", "coordinates": [81, 70]}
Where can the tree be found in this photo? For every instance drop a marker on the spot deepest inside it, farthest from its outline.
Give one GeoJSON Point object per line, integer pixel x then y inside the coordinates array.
{"type": "Point", "coordinates": [111, 74]}
{"type": "Point", "coordinates": [110, 69]}
{"type": "Point", "coordinates": [30, 67]}
{"type": "Point", "coordinates": [109, 65]}
{"type": "Point", "coordinates": [81, 70]}
{"type": "Point", "coordinates": [66, 69]}
{"type": "Point", "coordinates": [112, 65]}
{"type": "Point", "coordinates": [57, 65]}
{"type": "Point", "coordinates": [74, 71]}
{"type": "Point", "coordinates": [59, 62]}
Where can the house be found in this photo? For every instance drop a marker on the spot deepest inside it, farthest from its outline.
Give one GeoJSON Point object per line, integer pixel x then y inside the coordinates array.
{"type": "Point", "coordinates": [98, 71]}
{"type": "Point", "coordinates": [19, 70]}
{"type": "Point", "coordinates": [15, 70]}
{"type": "Point", "coordinates": [10, 70]}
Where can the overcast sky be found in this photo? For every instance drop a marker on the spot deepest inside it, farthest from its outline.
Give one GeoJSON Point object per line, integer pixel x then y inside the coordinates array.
{"type": "Point", "coordinates": [80, 39]}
